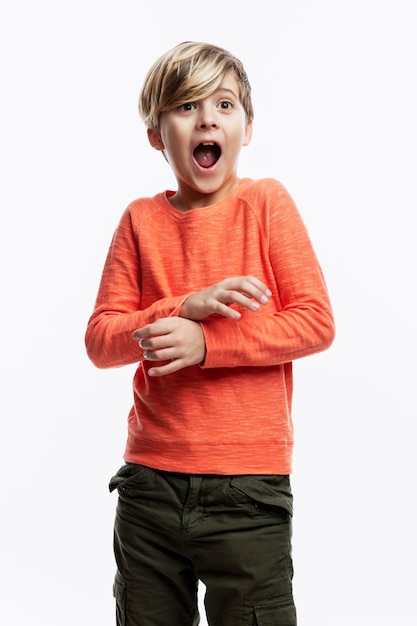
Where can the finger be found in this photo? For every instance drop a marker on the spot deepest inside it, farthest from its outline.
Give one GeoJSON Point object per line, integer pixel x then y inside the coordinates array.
{"type": "Point", "coordinates": [160, 355]}
{"type": "Point", "coordinates": [162, 326]}
{"type": "Point", "coordinates": [156, 343]}
{"type": "Point", "coordinates": [247, 286]}
{"type": "Point", "coordinates": [226, 311]}
{"type": "Point", "coordinates": [245, 300]}
{"type": "Point", "coordinates": [168, 368]}
{"type": "Point", "coordinates": [254, 288]}
{"type": "Point", "coordinates": [259, 285]}
{"type": "Point", "coordinates": [142, 333]}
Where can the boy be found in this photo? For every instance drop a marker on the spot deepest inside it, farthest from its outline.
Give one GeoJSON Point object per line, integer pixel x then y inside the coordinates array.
{"type": "Point", "coordinates": [213, 289]}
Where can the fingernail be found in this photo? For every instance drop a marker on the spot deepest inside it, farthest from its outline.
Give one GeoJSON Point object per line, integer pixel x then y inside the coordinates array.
{"type": "Point", "coordinates": [264, 299]}
{"type": "Point", "coordinates": [268, 293]}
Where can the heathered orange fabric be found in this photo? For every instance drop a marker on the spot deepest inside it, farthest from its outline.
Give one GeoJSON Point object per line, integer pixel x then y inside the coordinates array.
{"type": "Point", "coordinates": [231, 415]}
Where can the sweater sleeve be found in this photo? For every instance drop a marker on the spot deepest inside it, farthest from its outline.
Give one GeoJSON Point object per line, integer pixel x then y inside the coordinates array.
{"type": "Point", "coordinates": [118, 309]}
{"type": "Point", "coordinates": [297, 322]}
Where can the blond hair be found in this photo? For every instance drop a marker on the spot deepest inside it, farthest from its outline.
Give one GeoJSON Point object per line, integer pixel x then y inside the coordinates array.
{"type": "Point", "coordinates": [188, 72]}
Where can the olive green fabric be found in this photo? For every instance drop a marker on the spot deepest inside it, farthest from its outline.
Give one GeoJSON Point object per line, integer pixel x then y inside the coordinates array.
{"type": "Point", "coordinates": [231, 532]}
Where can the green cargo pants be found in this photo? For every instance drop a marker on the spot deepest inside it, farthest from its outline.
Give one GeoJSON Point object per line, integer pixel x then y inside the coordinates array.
{"type": "Point", "coordinates": [231, 532]}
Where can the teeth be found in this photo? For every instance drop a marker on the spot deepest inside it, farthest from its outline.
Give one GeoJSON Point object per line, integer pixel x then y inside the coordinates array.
{"type": "Point", "coordinates": [211, 143]}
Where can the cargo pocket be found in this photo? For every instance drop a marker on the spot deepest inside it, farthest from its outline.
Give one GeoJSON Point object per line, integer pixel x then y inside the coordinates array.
{"type": "Point", "coordinates": [119, 593]}
{"type": "Point", "coordinates": [276, 614]}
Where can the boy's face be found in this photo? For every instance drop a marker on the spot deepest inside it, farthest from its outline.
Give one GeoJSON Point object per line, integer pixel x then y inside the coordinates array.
{"type": "Point", "coordinates": [202, 142]}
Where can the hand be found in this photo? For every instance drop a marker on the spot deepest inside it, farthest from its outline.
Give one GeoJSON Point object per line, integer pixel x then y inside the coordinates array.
{"type": "Point", "coordinates": [247, 291]}
{"type": "Point", "coordinates": [174, 339]}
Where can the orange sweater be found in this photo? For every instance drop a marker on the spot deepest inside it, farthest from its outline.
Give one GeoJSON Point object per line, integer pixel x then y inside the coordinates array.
{"type": "Point", "coordinates": [231, 415]}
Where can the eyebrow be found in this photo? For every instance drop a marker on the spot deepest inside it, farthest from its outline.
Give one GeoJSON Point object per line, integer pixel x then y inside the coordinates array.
{"type": "Point", "coordinates": [227, 90]}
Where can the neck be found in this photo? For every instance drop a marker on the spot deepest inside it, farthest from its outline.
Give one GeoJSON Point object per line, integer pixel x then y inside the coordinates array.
{"type": "Point", "coordinates": [188, 199]}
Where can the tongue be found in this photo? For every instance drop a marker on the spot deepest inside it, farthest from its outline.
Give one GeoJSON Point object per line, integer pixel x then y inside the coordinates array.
{"type": "Point", "coordinates": [206, 156]}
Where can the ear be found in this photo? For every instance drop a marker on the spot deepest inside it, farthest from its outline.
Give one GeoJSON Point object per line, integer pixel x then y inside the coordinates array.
{"type": "Point", "coordinates": [248, 133]}
{"type": "Point", "coordinates": [155, 139]}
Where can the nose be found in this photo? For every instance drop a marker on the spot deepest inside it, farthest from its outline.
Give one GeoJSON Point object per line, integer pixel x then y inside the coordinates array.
{"type": "Point", "coordinates": [208, 118]}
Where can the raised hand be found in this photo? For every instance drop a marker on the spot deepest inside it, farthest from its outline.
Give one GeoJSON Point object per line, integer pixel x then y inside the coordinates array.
{"type": "Point", "coordinates": [175, 341]}
{"type": "Point", "coordinates": [246, 291]}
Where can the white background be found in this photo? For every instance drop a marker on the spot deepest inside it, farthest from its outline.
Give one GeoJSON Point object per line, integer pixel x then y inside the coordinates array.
{"type": "Point", "coordinates": [334, 89]}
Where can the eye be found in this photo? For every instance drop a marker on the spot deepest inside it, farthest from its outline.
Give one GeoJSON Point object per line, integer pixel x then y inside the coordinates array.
{"type": "Point", "coordinates": [187, 106]}
{"type": "Point", "coordinates": [225, 105]}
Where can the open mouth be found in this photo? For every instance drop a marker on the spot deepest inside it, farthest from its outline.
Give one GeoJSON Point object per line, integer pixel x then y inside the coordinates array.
{"type": "Point", "coordinates": [207, 154]}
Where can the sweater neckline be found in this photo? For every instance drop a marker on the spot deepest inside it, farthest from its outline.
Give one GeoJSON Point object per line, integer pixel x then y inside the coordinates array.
{"type": "Point", "coordinates": [202, 212]}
